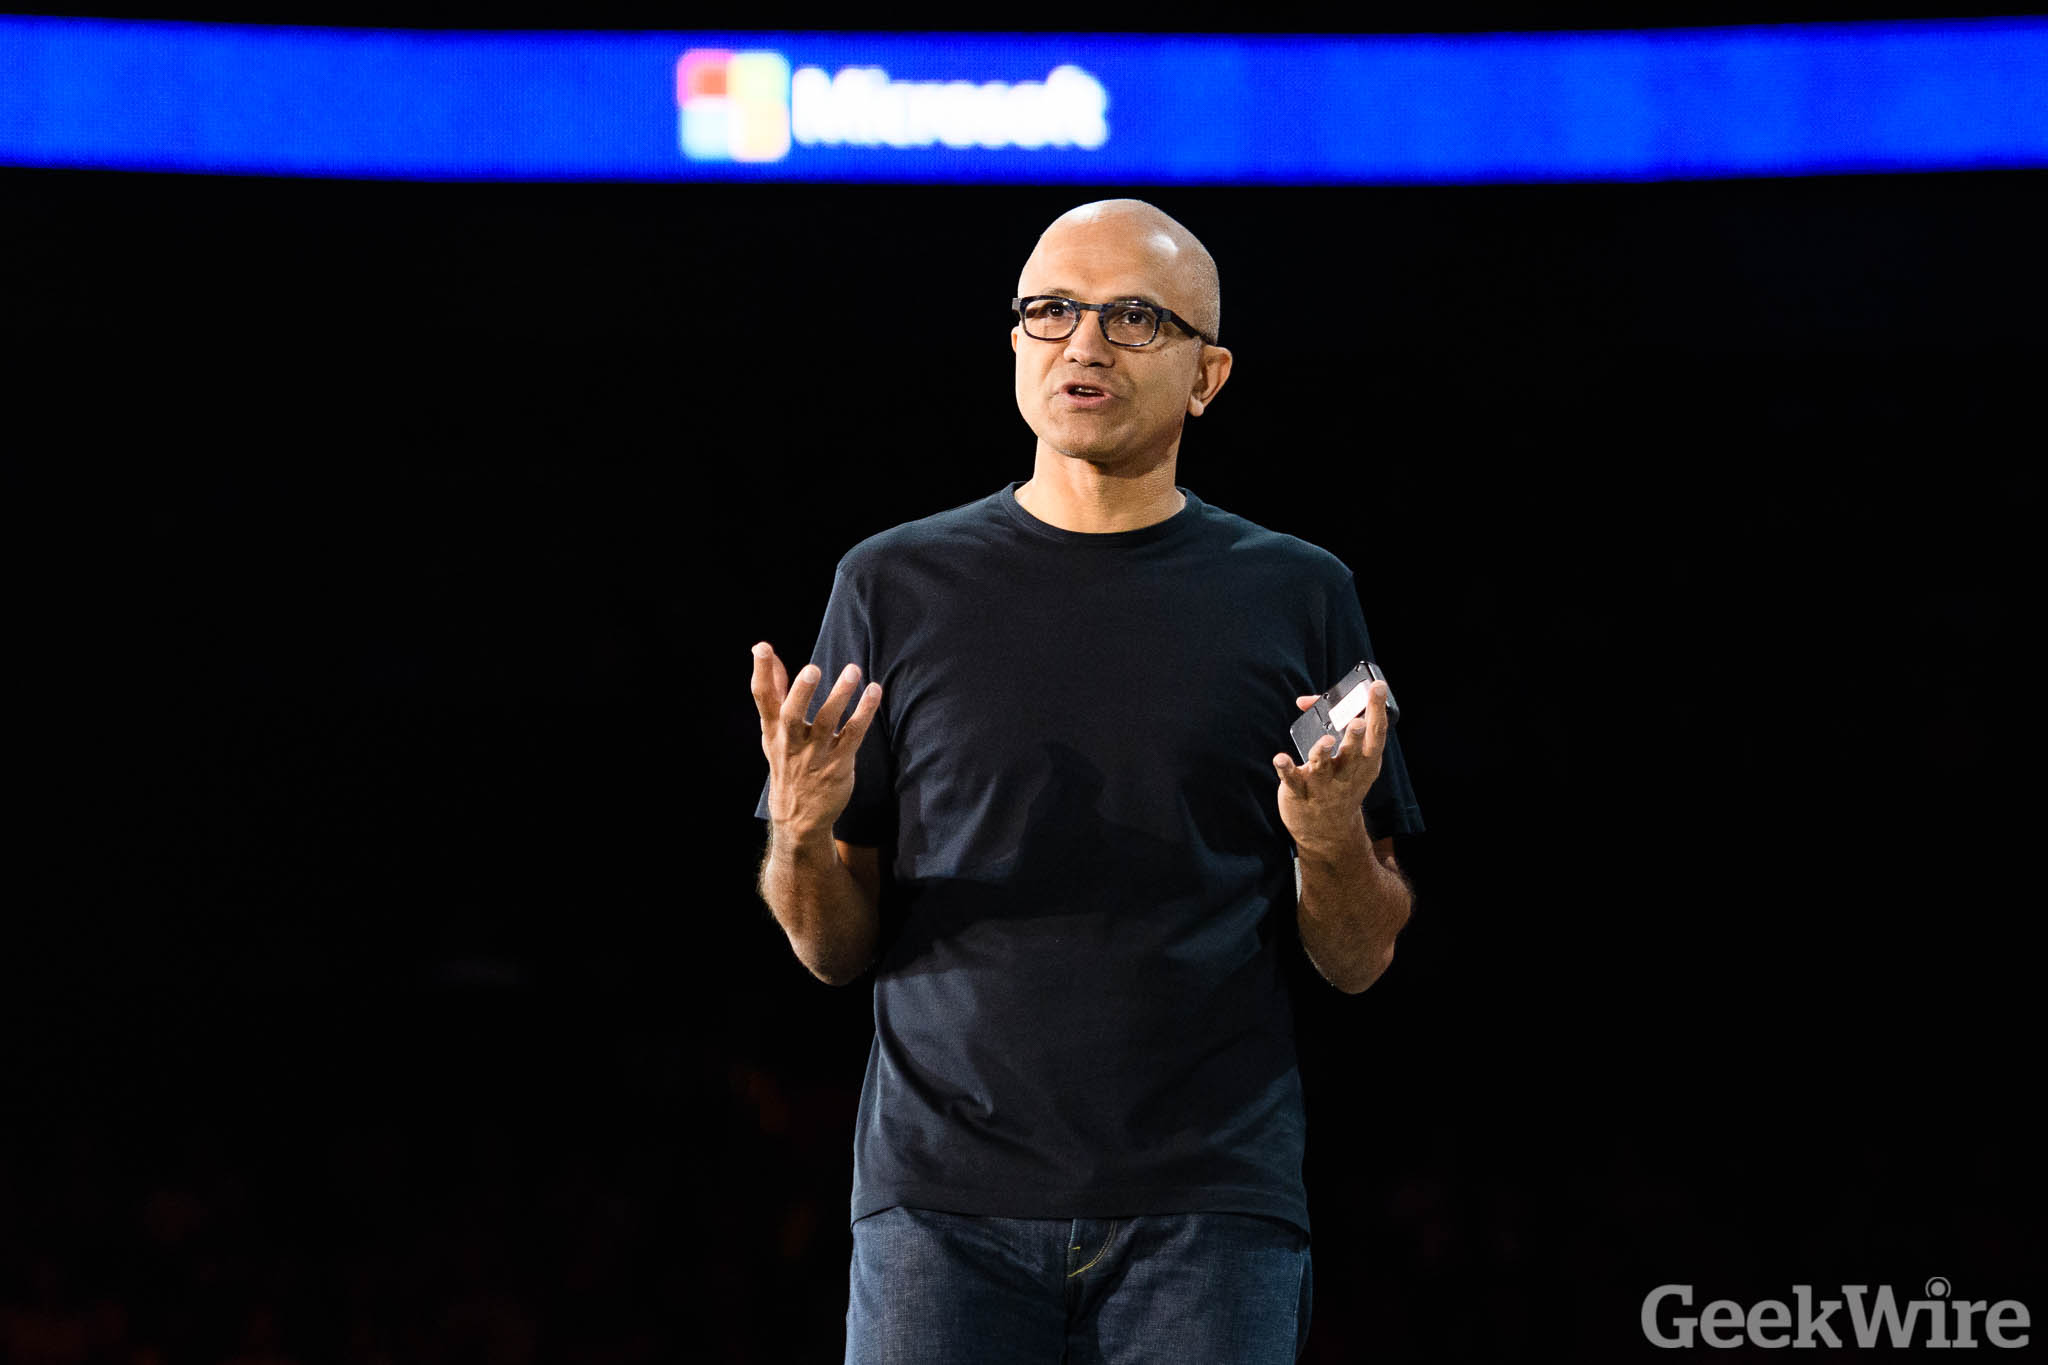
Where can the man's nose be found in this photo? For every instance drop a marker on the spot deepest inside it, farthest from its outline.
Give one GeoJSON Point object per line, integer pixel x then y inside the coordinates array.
{"type": "Point", "coordinates": [1088, 346]}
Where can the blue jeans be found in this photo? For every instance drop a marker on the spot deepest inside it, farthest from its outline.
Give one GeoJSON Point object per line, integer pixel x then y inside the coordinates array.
{"type": "Point", "coordinates": [933, 1288]}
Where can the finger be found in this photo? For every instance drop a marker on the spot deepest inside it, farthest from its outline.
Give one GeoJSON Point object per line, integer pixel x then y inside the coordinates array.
{"type": "Point", "coordinates": [1355, 739]}
{"type": "Point", "coordinates": [797, 705]}
{"type": "Point", "coordinates": [1303, 703]}
{"type": "Point", "coordinates": [1290, 776]}
{"type": "Point", "coordinates": [1376, 721]}
{"type": "Point", "coordinates": [1369, 727]}
{"type": "Point", "coordinates": [1320, 754]}
{"type": "Point", "coordinates": [1364, 739]}
{"type": "Point", "coordinates": [856, 726]}
{"type": "Point", "coordinates": [770, 682]}
{"type": "Point", "coordinates": [835, 701]}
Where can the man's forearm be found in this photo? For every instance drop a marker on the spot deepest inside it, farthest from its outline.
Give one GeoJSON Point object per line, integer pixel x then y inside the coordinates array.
{"type": "Point", "coordinates": [831, 920]}
{"type": "Point", "coordinates": [1351, 906]}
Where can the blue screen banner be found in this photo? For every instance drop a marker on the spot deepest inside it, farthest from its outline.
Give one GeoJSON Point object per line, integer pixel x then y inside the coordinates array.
{"type": "Point", "coordinates": [1666, 104]}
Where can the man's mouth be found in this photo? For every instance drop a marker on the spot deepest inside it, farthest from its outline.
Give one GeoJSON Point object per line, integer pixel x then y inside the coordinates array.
{"type": "Point", "coordinates": [1083, 391]}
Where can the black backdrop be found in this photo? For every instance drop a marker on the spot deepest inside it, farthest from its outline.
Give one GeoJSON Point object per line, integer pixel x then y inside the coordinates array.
{"type": "Point", "coordinates": [383, 978]}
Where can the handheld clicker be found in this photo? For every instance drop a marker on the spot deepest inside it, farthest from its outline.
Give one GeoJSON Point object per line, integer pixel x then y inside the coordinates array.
{"type": "Point", "coordinates": [1339, 706]}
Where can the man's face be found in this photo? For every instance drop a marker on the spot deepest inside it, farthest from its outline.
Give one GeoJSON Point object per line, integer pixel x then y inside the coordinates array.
{"type": "Point", "coordinates": [1112, 405]}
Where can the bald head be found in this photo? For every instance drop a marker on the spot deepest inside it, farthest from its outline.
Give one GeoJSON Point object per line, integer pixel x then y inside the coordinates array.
{"type": "Point", "coordinates": [1198, 294]}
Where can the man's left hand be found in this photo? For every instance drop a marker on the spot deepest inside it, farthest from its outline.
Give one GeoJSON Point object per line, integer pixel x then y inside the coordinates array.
{"type": "Point", "coordinates": [1321, 801]}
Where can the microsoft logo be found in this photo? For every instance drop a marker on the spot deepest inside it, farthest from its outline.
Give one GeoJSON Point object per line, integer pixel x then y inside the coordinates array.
{"type": "Point", "coordinates": [751, 106]}
{"type": "Point", "coordinates": [733, 106]}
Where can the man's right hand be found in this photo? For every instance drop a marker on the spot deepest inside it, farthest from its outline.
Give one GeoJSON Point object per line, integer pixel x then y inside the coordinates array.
{"type": "Point", "coordinates": [810, 763]}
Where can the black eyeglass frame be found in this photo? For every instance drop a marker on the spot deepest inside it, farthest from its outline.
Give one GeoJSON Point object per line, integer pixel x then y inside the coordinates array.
{"type": "Point", "coordinates": [1101, 311]}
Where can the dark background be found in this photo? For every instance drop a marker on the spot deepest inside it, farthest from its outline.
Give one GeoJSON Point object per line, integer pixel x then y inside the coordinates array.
{"type": "Point", "coordinates": [383, 979]}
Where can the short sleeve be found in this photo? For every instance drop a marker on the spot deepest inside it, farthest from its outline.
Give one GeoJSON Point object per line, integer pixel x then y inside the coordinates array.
{"type": "Point", "coordinates": [846, 637]}
{"type": "Point", "coordinates": [1390, 807]}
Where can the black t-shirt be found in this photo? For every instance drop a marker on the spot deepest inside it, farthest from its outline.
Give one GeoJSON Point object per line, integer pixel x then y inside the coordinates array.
{"type": "Point", "coordinates": [1079, 1005]}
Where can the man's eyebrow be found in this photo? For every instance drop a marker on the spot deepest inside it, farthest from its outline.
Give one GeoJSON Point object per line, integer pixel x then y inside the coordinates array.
{"type": "Point", "coordinates": [1145, 299]}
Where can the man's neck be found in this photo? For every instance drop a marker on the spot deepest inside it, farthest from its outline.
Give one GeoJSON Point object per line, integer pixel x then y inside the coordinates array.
{"type": "Point", "coordinates": [1075, 495]}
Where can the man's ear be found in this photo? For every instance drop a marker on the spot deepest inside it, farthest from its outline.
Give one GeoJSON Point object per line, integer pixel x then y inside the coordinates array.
{"type": "Point", "coordinates": [1015, 332]}
{"type": "Point", "coordinates": [1214, 368]}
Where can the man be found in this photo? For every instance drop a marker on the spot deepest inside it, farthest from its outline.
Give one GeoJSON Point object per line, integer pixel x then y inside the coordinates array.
{"type": "Point", "coordinates": [1054, 823]}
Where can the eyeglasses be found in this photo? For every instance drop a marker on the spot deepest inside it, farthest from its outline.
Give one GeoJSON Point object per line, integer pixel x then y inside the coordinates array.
{"type": "Point", "coordinates": [1048, 317]}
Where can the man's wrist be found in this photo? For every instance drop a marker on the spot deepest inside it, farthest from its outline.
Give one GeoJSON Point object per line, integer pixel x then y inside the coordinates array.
{"type": "Point", "coordinates": [1336, 843]}
{"type": "Point", "coordinates": [801, 840]}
